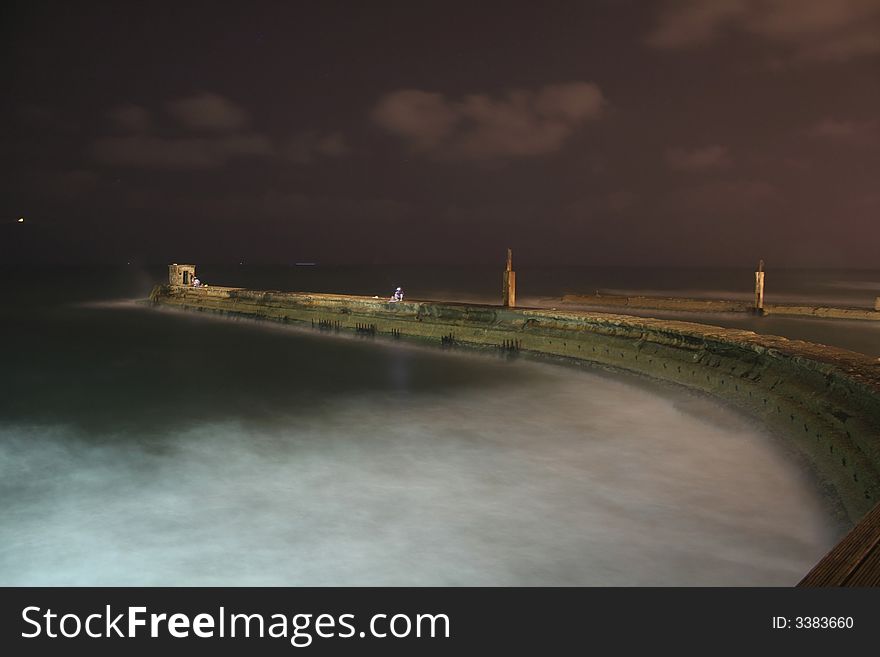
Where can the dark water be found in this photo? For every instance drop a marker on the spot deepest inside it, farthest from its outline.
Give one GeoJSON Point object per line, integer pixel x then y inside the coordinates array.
{"type": "Point", "coordinates": [140, 446]}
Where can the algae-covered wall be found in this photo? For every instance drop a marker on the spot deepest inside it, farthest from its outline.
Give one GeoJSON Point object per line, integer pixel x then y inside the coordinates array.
{"type": "Point", "coordinates": [826, 399]}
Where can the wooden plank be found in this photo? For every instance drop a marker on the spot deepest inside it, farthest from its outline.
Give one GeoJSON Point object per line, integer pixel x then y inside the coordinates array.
{"type": "Point", "coordinates": [855, 561]}
{"type": "Point", "coordinates": [868, 571]}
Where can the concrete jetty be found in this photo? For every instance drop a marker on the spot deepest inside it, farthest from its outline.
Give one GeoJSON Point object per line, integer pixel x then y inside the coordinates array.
{"type": "Point", "coordinates": [757, 307]}
{"type": "Point", "coordinates": [826, 400]}
{"type": "Point", "coordinates": [684, 304]}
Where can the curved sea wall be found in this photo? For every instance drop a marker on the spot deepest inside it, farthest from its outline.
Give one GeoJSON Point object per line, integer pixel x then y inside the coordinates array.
{"type": "Point", "coordinates": [826, 399]}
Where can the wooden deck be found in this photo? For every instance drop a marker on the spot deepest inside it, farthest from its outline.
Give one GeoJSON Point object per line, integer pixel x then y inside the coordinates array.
{"type": "Point", "coordinates": [855, 561]}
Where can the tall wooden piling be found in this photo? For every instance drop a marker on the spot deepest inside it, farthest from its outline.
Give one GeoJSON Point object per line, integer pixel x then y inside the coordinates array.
{"type": "Point", "coordinates": [759, 288]}
{"type": "Point", "coordinates": [508, 288]}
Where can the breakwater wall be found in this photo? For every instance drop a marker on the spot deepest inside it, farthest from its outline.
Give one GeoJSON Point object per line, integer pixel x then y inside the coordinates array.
{"type": "Point", "coordinates": [716, 306]}
{"type": "Point", "coordinates": [827, 400]}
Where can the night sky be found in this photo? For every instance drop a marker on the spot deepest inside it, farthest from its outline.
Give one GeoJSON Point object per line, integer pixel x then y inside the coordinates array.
{"type": "Point", "coordinates": [594, 133]}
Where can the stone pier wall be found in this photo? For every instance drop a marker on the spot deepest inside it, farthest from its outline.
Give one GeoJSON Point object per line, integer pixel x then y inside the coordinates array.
{"type": "Point", "coordinates": [826, 400]}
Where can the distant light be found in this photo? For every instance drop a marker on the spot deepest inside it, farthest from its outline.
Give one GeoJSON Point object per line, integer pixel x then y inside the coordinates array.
{"type": "Point", "coordinates": [21, 220]}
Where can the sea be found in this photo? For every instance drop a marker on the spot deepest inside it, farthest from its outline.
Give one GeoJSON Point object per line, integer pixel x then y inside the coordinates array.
{"type": "Point", "coordinates": [145, 446]}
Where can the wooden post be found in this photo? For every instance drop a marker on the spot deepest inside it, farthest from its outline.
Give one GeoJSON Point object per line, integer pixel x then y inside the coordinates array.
{"type": "Point", "coordinates": [759, 288]}
{"type": "Point", "coordinates": [508, 288]}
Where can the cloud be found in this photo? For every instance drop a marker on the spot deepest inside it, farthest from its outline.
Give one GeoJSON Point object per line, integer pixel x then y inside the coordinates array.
{"type": "Point", "coordinates": [208, 132]}
{"type": "Point", "coordinates": [825, 30]}
{"type": "Point", "coordinates": [209, 112]}
{"type": "Point", "coordinates": [478, 127]}
{"type": "Point", "coordinates": [152, 152]}
{"type": "Point", "coordinates": [860, 133]}
{"type": "Point", "coordinates": [306, 146]}
{"type": "Point", "coordinates": [332, 145]}
{"type": "Point", "coordinates": [698, 159]}
{"type": "Point", "coordinates": [130, 118]}
{"type": "Point", "coordinates": [424, 118]}
{"type": "Point", "coordinates": [693, 22]}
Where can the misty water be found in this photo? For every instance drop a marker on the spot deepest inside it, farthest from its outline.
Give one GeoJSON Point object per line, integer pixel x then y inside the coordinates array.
{"type": "Point", "coordinates": [141, 446]}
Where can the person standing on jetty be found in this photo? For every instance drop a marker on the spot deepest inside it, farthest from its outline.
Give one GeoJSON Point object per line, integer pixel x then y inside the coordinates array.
{"type": "Point", "coordinates": [397, 296]}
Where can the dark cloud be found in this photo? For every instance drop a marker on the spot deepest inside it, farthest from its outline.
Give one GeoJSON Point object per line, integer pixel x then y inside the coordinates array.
{"type": "Point", "coordinates": [468, 124]}
{"type": "Point", "coordinates": [698, 159]}
{"type": "Point", "coordinates": [827, 30]}
{"type": "Point", "coordinates": [151, 152]}
{"type": "Point", "coordinates": [332, 145]}
{"type": "Point", "coordinates": [305, 147]}
{"type": "Point", "coordinates": [209, 112]}
{"type": "Point", "coordinates": [521, 124]}
{"type": "Point", "coordinates": [130, 118]}
{"type": "Point", "coordinates": [857, 133]}
{"type": "Point", "coordinates": [209, 135]}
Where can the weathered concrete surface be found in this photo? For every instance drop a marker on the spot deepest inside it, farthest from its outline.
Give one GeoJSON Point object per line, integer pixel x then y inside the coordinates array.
{"type": "Point", "coordinates": [717, 306]}
{"type": "Point", "coordinates": [827, 312]}
{"type": "Point", "coordinates": [658, 303]}
{"type": "Point", "coordinates": [826, 399]}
